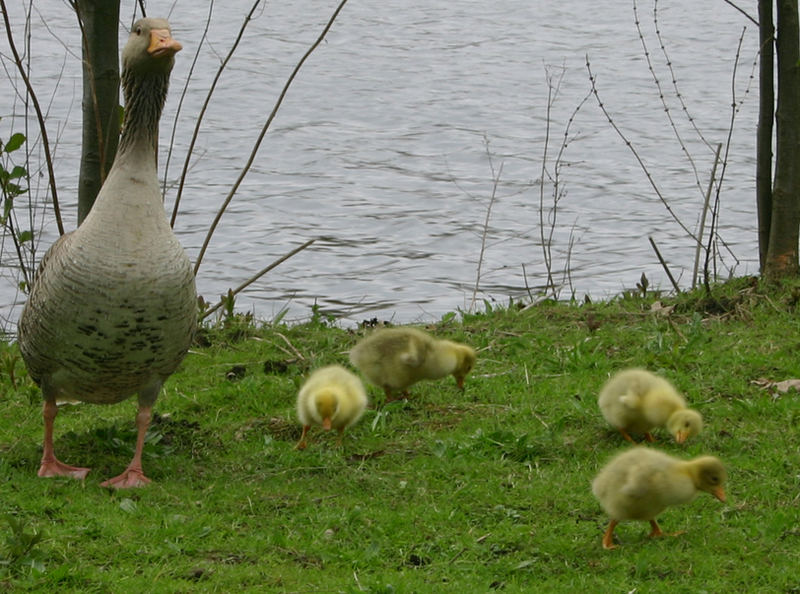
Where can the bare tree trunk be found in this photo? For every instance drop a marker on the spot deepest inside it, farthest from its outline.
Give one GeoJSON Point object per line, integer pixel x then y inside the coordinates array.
{"type": "Point", "coordinates": [782, 256]}
{"type": "Point", "coordinates": [99, 21]}
{"type": "Point", "coordinates": [766, 116]}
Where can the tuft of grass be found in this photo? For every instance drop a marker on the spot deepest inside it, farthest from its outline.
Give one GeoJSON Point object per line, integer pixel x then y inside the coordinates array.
{"type": "Point", "coordinates": [485, 490]}
{"type": "Point", "coordinates": [19, 554]}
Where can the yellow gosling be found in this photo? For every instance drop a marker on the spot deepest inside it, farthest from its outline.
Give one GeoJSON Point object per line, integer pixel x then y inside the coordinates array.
{"type": "Point", "coordinates": [396, 358]}
{"type": "Point", "coordinates": [641, 482]}
{"type": "Point", "coordinates": [333, 398]}
{"type": "Point", "coordinates": [636, 401]}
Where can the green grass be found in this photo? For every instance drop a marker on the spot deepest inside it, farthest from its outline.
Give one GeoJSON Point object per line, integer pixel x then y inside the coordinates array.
{"type": "Point", "coordinates": [483, 491]}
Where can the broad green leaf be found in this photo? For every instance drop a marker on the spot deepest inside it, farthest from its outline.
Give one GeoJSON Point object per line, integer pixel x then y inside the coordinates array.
{"type": "Point", "coordinates": [14, 142]}
{"type": "Point", "coordinates": [18, 171]}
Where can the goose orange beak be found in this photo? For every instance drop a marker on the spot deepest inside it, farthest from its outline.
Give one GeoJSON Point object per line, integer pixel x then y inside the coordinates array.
{"type": "Point", "coordinates": [719, 493]}
{"type": "Point", "coordinates": [326, 423]}
{"type": "Point", "coordinates": [681, 436]}
{"type": "Point", "coordinates": [162, 44]}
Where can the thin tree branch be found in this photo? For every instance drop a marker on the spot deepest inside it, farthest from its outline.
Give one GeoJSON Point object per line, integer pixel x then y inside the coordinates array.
{"type": "Point", "coordinates": [39, 116]}
{"type": "Point", "coordinates": [255, 277]}
{"type": "Point", "coordinates": [200, 116]}
{"type": "Point", "coordinates": [704, 214]}
{"type": "Point", "coordinates": [755, 22]}
{"type": "Point", "coordinates": [266, 126]}
{"type": "Point", "coordinates": [180, 105]}
{"type": "Point", "coordinates": [630, 146]}
{"type": "Point", "coordinates": [734, 110]}
{"type": "Point", "coordinates": [495, 183]}
{"type": "Point", "coordinates": [664, 266]}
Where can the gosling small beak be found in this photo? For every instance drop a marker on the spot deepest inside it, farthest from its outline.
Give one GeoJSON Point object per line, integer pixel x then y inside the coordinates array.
{"type": "Point", "coordinates": [326, 423]}
{"type": "Point", "coordinates": [460, 383]}
{"type": "Point", "coordinates": [681, 436]}
{"type": "Point", "coordinates": [162, 44]}
{"type": "Point", "coordinates": [719, 493]}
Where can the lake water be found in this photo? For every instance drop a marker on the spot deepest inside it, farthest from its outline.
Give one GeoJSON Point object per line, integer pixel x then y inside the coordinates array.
{"type": "Point", "coordinates": [389, 143]}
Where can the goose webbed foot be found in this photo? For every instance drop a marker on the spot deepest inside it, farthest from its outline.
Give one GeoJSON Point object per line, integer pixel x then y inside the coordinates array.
{"type": "Point", "coordinates": [131, 478]}
{"type": "Point", "coordinates": [53, 467]}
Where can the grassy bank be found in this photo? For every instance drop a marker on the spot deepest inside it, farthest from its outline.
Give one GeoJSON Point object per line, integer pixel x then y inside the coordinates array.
{"type": "Point", "coordinates": [474, 492]}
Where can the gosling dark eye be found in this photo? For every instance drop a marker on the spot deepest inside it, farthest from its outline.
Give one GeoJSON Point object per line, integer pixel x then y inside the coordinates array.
{"type": "Point", "coordinates": [138, 30]}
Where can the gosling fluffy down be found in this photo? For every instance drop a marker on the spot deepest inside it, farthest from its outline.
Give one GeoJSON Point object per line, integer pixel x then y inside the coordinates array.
{"type": "Point", "coordinates": [331, 397]}
{"type": "Point", "coordinates": [641, 482]}
{"type": "Point", "coordinates": [396, 358]}
{"type": "Point", "coordinates": [636, 401]}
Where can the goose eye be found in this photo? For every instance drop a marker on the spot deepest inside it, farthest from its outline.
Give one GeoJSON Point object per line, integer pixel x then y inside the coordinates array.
{"type": "Point", "coordinates": [138, 30]}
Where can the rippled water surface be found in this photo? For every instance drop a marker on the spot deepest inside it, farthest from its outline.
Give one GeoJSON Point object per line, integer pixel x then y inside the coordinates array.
{"type": "Point", "coordinates": [414, 124]}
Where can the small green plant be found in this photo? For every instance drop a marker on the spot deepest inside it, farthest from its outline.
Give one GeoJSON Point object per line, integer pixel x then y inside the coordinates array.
{"type": "Point", "coordinates": [319, 318]}
{"type": "Point", "coordinates": [19, 551]}
{"type": "Point", "coordinates": [10, 189]}
{"type": "Point", "coordinates": [8, 364]}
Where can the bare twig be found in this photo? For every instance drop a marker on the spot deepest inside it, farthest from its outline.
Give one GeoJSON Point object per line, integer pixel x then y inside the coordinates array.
{"type": "Point", "coordinates": [547, 242]}
{"type": "Point", "coordinates": [255, 277]}
{"type": "Point", "coordinates": [180, 105]}
{"type": "Point", "coordinates": [735, 106]}
{"type": "Point", "coordinates": [495, 182]}
{"type": "Point", "coordinates": [200, 116]}
{"type": "Point", "coordinates": [566, 278]}
{"type": "Point", "coordinates": [703, 215]}
{"type": "Point", "coordinates": [755, 22]}
{"type": "Point", "coordinates": [39, 116]}
{"type": "Point", "coordinates": [297, 353]}
{"type": "Point", "coordinates": [662, 96]}
{"type": "Point", "coordinates": [264, 129]}
{"type": "Point", "coordinates": [554, 178]}
{"type": "Point", "coordinates": [674, 78]}
{"type": "Point", "coordinates": [525, 280]}
{"type": "Point", "coordinates": [636, 155]}
{"type": "Point", "coordinates": [664, 266]}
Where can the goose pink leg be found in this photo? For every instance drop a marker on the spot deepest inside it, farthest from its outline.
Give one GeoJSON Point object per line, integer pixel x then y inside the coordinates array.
{"type": "Point", "coordinates": [133, 476]}
{"type": "Point", "coordinates": [50, 465]}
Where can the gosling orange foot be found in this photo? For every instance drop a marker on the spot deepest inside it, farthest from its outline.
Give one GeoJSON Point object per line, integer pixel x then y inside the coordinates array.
{"type": "Point", "coordinates": [608, 537]}
{"type": "Point", "coordinates": [404, 395]}
{"type": "Point", "coordinates": [656, 530]}
{"type": "Point", "coordinates": [301, 445]}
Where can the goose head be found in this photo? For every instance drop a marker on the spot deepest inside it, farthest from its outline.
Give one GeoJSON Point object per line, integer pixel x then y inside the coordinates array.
{"type": "Point", "coordinates": [150, 48]}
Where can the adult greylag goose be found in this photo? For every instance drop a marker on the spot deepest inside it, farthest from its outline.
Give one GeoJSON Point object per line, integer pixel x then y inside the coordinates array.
{"type": "Point", "coordinates": [641, 482]}
{"type": "Point", "coordinates": [636, 400]}
{"type": "Point", "coordinates": [396, 358]}
{"type": "Point", "coordinates": [113, 309]}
